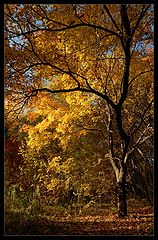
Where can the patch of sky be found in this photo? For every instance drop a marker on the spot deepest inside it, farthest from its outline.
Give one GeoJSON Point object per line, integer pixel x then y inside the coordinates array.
{"type": "Point", "coordinates": [79, 8]}
{"type": "Point", "coordinates": [39, 22]}
{"type": "Point", "coordinates": [142, 45]}
{"type": "Point", "coordinates": [107, 53]}
{"type": "Point", "coordinates": [47, 82]}
{"type": "Point", "coordinates": [19, 41]}
{"type": "Point", "coordinates": [152, 28]}
{"type": "Point", "coordinates": [47, 6]}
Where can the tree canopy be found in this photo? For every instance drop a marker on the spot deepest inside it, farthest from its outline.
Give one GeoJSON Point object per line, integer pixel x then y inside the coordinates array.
{"type": "Point", "coordinates": [79, 90]}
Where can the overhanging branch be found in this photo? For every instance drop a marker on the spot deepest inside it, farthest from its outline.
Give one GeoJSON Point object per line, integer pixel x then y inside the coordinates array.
{"type": "Point", "coordinates": [140, 141]}
{"type": "Point", "coordinates": [142, 118]}
{"type": "Point", "coordinates": [111, 17]}
{"type": "Point", "coordinates": [66, 27]}
{"type": "Point", "coordinates": [151, 70]}
{"type": "Point", "coordinates": [144, 10]}
{"type": "Point", "coordinates": [91, 129]}
{"type": "Point", "coordinates": [79, 89]}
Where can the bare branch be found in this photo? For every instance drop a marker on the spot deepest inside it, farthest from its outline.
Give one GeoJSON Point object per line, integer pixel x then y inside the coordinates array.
{"type": "Point", "coordinates": [144, 10]}
{"type": "Point", "coordinates": [91, 129]}
{"type": "Point", "coordinates": [140, 140]}
{"type": "Point", "coordinates": [151, 70]}
{"type": "Point", "coordinates": [112, 19]}
{"type": "Point", "coordinates": [67, 27]}
{"type": "Point", "coordinates": [142, 118]}
{"type": "Point", "coordinates": [80, 89]}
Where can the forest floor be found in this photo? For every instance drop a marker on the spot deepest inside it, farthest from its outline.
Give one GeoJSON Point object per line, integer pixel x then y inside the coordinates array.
{"type": "Point", "coordinates": [140, 221]}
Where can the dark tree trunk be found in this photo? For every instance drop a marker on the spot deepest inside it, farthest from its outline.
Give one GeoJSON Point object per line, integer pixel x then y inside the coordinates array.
{"type": "Point", "coordinates": [122, 201]}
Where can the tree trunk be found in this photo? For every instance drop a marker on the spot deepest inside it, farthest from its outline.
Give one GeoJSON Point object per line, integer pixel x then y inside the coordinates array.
{"type": "Point", "coordinates": [122, 201]}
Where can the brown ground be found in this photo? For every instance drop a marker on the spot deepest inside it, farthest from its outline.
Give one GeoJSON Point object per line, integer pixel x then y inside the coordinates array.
{"type": "Point", "coordinates": [138, 222]}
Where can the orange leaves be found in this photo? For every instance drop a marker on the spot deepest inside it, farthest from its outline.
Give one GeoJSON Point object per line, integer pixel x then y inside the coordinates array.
{"type": "Point", "coordinates": [42, 119]}
{"type": "Point", "coordinates": [150, 50]}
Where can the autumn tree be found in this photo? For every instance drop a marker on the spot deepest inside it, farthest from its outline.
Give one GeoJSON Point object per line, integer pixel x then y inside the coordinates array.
{"type": "Point", "coordinates": [101, 51]}
{"type": "Point", "coordinates": [74, 154]}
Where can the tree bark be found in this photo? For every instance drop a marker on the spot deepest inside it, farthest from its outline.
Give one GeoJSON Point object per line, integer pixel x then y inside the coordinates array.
{"type": "Point", "coordinates": [120, 171]}
{"type": "Point", "coordinates": [121, 194]}
{"type": "Point", "coordinates": [122, 202]}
